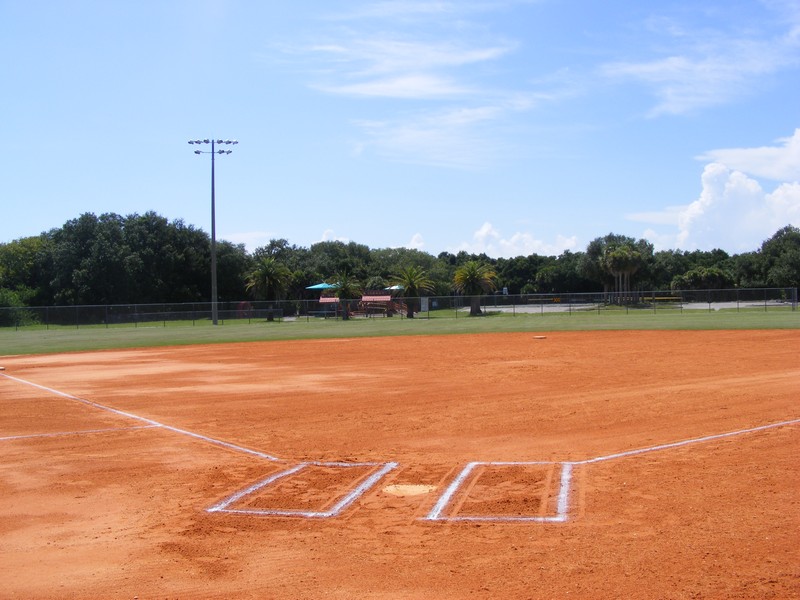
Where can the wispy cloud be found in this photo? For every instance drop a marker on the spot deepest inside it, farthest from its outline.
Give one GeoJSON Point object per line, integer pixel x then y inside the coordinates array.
{"type": "Point", "coordinates": [411, 86]}
{"type": "Point", "coordinates": [455, 137]}
{"type": "Point", "coordinates": [440, 71]}
{"type": "Point", "coordinates": [704, 68]}
{"type": "Point", "coordinates": [391, 67]}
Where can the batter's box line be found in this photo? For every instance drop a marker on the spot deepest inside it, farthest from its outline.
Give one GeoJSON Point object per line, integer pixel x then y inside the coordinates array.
{"type": "Point", "coordinates": [562, 507]}
{"type": "Point", "coordinates": [335, 510]}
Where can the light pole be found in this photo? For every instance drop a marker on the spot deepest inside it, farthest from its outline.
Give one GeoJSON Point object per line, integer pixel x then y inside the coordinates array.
{"type": "Point", "coordinates": [214, 313]}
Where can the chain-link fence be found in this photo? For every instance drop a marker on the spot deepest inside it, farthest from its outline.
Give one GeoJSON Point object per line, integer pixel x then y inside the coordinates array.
{"type": "Point", "coordinates": [198, 313]}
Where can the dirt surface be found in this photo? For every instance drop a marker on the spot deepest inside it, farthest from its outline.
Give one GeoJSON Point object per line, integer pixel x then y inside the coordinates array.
{"type": "Point", "coordinates": [574, 465]}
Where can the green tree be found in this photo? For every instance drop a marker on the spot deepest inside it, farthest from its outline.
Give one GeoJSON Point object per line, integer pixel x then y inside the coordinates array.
{"type": "Point", "coordinates": [781, 255]}
{"type": "Point", "coordinates": [747, 270]}
{"type": "Point", "coordinates": [520, 272]}
{"type": "Point", "coordinates": [331, 257]}
{"type": "Point", "coordinates": [473, 279]}
{"type": "Point", "coordinates": [89, 261]}
{"type": "Point", "coordinates": [622, 261]}
{"type": "Point", "coordinates": [414, 281]}
{"type": "Point", "coordinates": [614, 259]}
{"type": "Point", "coordinates": [169, 261]}
{"type": "Point", "coordinates": [702, 278]}
{"type": "Point", "coordinates": [21, 267]}
{"type": "Point", "coordinates": [347, 288]}
{"type": "Point", "coordinates": [376, 282]}
{"type": "Point", "coordinates": [666, 265]}
{"type": "Point", "coordinates": [269, 279]}
{"type": "Point", "coordinates": [233, 265]}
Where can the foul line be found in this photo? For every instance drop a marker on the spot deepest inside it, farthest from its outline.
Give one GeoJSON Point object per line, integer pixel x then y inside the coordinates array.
{"type": "Point", "coordinates": [436, 513]}
{"type": "Point", "coordinates": [706, 438]}
{"type": "Point", "coordinates": [150, 422]}
{"type": "Point", "coordinates": [562, 507]}
{"type": "Point", "coordinates": [63, 433]}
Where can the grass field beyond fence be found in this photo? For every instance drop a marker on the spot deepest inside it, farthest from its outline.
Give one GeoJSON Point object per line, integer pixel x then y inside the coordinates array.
{"type": "Point", "coordinates": [37, 339]}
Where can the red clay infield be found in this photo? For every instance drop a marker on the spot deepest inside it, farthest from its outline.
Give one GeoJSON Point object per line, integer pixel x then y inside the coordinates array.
{"type": "Point", "coordinates": [581, 465]}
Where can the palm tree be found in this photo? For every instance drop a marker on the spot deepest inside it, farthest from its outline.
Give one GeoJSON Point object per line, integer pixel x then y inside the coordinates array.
{"type": "Point", "coordinates": [269, 280]}
{"type": "Point", "coordinates": [414, 281]}
{"type": "Point", "coordinates": [622, 261]}
{"type": "Point", "coordinates": [473, 279]}
{"type": "Point", "coordinates": [347, 288]}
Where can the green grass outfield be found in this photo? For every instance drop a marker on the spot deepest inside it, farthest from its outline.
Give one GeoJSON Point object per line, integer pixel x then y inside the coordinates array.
{"type": "Point", "coordinates": [37, 340]}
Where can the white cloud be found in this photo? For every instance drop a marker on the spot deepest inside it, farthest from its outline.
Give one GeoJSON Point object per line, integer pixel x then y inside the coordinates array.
{"type": "Point", "coordinates": [417, 86]}
{"type": "Point", "coordinates": [452, 138]}
{"type": "Point", "coordinates": [443, 58]}
{"type": "Point", "coordinates": [416, 242]}
{"type": "Point", "coordinates": [734, 213]}
{"type": "Point", "coordinates": [780, 163]}
{"type": "Point", "coordinates": [705, 68]}
{"type": "Point", "coordinates": [250, 239]}
{"type": "Point", "coordinates": [490, 241]}
{"type": "Point", "coordinates": [390, 67]}
{"type": "Point", "coordinates": [329, 236]}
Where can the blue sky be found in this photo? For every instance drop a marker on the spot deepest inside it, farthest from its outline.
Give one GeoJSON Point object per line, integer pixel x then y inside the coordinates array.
{"type": "Point", "coordinates": [509, 127]}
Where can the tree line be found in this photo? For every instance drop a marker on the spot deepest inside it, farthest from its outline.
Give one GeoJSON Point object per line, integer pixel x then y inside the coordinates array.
{"type": "Point", "coordinates": [142, 259]}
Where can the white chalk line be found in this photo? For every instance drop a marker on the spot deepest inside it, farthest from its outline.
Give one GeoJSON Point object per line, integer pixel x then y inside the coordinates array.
{"type": "Point", "coordinates": [66, 433]}
{"type": "Point", "coordinates": [699, 440]}
{"type": "Point", "coordinates": [221, 507]}
{"type": "Point", "coordinates": [335, 510]}
{"type": "Point", "coordinates": [151, 422]}
{"type": "Point", "coordinates": [562, 507]}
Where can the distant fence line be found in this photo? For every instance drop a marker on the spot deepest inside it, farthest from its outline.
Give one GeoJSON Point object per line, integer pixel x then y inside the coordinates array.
{"type": "Point", "coordinates": [766, 299]}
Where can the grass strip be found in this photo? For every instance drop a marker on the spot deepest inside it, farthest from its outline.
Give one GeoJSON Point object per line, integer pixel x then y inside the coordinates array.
{"type": "Point", "coordinates": [37, 340]}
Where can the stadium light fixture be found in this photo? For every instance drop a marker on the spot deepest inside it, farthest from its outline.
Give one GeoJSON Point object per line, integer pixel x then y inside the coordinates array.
{"type": "Point", "coordinates": [214, 310]}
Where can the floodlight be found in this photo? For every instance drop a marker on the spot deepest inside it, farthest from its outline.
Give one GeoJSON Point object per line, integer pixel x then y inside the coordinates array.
{"type": "Point", "coordinates": [214, 308]}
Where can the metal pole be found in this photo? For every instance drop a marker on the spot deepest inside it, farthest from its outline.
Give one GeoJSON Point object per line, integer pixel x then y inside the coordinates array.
{"type": "Point", "coordinates": [214, 313]}
{"type": "Point", "coordinates": [214, 303]}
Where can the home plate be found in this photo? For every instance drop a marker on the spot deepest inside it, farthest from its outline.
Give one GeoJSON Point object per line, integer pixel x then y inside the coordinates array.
{"type": "Point", "coordinates": [408, 490]}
